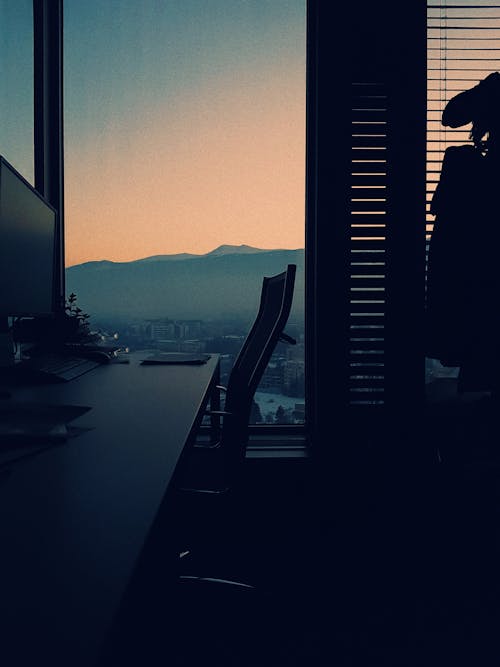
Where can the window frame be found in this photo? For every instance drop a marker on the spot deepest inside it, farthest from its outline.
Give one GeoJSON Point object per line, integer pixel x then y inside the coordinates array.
{"type": "Point", "coordinates": [49, 176]}
{"type": "Point", "coordinates": [48, 120]}
{"type": "Point", "coordinates": [327, 169]}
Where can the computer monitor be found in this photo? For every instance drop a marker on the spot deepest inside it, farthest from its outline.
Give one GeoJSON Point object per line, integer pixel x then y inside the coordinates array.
{"type": "Point", "coordinates": [27, 247]}
{"type": "Point", "coordinates": [27, 255]}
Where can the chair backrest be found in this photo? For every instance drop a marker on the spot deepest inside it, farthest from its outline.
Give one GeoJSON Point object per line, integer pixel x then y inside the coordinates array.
{"type": "Point", "coordinates": [253, 358]}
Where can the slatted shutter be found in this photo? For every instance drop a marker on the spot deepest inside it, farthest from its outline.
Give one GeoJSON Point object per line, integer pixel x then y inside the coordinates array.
{"type": "Point", "coordinates": [368, 210]}
{"type": "Point", "coordinates": [366, 202]}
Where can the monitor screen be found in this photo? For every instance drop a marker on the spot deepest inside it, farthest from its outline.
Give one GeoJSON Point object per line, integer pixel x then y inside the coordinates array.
{"type": "Point", "coordinates": [27, 247]}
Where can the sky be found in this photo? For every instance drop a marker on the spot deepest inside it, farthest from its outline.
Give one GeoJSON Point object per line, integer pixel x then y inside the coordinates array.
{"type": "Point", "coordinates": [16, 76]}
{"type": "Point", "coordinates": [185, 121]}
{"type": "Point", "coordinates": [184, 126]}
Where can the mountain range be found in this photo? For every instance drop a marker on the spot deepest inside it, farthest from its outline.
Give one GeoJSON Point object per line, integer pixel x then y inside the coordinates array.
{"type": "Point", "coordinates": [222, 284]}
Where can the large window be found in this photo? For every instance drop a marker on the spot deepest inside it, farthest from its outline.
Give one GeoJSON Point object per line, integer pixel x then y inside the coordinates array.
{"type": "Point", "coordinates": [185, 174]}
{"type": "Point", "coordinates": [16, 76]}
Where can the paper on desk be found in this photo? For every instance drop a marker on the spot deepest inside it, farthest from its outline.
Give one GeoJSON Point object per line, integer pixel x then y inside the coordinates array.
{"type": "Point", "coordinates": [159, 358]}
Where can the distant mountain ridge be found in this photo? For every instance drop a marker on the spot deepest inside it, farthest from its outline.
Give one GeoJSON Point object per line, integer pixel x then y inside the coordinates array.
{"type": "Point", "coordinates": [223, 283]}
{"type": "Point", "coordinates": [235, 250]}
{"type": "Point", "coordinates": [220, 250]}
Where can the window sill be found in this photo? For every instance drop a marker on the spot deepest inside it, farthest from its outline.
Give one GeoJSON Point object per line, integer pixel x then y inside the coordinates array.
{"type": "Point", "coordinates": [278, 446]}
{"type": "Point", "coordinates": [274, 442]}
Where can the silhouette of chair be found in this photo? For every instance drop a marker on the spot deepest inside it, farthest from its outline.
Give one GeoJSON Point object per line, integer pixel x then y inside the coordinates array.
{"type": "Point", "coordinates": [225, 456]}
{"type": "Point", "coordinates": [216, 603]}
{"type": "Point", "coordinates": [213, 472]}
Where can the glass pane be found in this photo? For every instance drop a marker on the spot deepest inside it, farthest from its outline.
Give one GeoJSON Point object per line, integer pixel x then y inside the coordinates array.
{"type": "Point", "coordinates": [184, 174]}
{"type": "Point", "coordinates": [16, 76]}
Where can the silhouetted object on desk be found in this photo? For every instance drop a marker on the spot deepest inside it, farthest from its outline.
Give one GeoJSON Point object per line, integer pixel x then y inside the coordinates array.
{"type": "Point", "coordinates": [463, 276]}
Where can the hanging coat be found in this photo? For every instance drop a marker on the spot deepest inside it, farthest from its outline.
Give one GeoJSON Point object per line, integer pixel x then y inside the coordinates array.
{"type": "Point", "coordinates": [463, 276]}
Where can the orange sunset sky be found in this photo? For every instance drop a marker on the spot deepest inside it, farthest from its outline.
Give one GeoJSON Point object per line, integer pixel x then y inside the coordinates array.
{"type": "Point", "coordinates": [184, 128]}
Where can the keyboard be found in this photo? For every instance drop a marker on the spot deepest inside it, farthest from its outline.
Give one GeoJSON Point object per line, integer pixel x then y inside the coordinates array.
{"type": "Point", "coordinates": [55, 367]}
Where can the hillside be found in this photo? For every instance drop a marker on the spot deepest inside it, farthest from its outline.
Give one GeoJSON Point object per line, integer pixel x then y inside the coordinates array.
{"type": "Point", "coordinates": [223, 283]}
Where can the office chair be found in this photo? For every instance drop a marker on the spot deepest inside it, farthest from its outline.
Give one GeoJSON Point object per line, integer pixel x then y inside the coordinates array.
{"type": "Point", "coordinates": [220, 609]}
{"type": "Point", "coordinates": [225, 456]}
{"type": "Point", "coordinates": [211, 473]}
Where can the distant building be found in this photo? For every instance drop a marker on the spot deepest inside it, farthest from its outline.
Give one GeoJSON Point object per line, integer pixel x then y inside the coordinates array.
{"type": "Point", "coordinates": [192, 346]}
{"type": "Point", "coordinates": [295, 352]}
{"type": "Point", "coordinates": [299, 413]}
{"type": "Point", "coordinates": [294, 377]}
{"type": "Point", "coordinates": [190, 329]}
{"type": "Point", "coordinates": [162, 329]}
{"type": "Point", "coordinates": [272, 380]}
{"type": "Point", "coordinates": [168, 345]}
{"type": "Point", "coordinates": [293, 371]}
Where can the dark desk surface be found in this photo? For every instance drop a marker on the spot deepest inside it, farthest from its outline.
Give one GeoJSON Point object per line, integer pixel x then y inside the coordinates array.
{"type": "Point", "coordinates": [74, 518]}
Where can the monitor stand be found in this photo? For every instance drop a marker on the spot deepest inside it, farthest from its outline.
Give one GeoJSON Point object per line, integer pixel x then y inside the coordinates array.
{"type": "Point", "coordinates": [7, 356]}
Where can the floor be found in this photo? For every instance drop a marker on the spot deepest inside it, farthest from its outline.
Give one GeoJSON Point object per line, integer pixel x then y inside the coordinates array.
{"type": "Point", "coordinates": [378, 569]}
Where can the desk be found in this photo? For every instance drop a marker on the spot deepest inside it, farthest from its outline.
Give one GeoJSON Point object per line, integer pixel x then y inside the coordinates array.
{"type": "Point", "coordinates": [74, 519]}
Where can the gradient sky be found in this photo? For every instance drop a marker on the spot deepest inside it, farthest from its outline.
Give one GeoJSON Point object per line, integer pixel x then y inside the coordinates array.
{"type": "Point", "coordinates": [16, 77]}
{"type": "Point", "coordinates": [184, 126]}
{"type": "Point", "coordinates": [185, 121]}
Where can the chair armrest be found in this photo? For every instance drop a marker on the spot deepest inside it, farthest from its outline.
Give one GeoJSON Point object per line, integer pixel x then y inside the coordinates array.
{"type": "Point", "coordinates": [221, 387]}
{"type": "Point", "coordinates": [285, 338]}
{"type": "Point", "coordinates": [217, 413]}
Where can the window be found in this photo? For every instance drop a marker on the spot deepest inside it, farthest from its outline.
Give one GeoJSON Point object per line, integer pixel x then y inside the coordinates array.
{"type": "Point", "coordinates": [16, 75]}
{"type": "Point", "coordinates": [106, 51]}
{"type": "Point", "coordinates": [185, 174]}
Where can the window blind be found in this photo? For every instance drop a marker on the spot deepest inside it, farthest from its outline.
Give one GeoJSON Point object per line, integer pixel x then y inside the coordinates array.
{"type": "Point", "coordinates": [368, 211]}
{"type": "Point", "coordinates": [463, 47]}
{"type": "Point", "coordinates": [366, 203]}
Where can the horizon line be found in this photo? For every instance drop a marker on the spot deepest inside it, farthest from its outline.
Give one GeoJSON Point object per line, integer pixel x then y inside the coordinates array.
{"type": "Point", "coordinates": [189, 254]}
